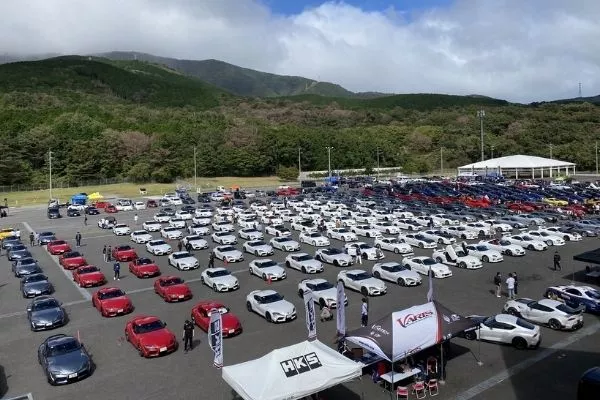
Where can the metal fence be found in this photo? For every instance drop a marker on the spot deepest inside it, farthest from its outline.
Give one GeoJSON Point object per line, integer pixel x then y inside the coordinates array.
{"type": "Point", "coordinates": [59, 184]}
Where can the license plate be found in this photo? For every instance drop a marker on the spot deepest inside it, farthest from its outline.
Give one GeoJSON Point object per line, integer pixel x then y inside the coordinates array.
{"type": "Point", "coordinates": [181, 296]}
{"type": "Point", "coordinates": [120, 310]}
{"type": "Point", "coordinates": [48, 323]}
{"type": "Point", "coordinates": [71, 376]}
{"type": "Point", "coordinates": [162, 349]}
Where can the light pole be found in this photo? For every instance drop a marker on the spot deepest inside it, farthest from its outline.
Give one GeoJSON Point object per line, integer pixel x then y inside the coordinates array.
{"type": "Point", "coordinates": [329, 148]}
{"type": "Point", "coordinates": [492, 148]}
{"type": "Point", "coordinates": [378, 152]}
{"type": "Point", "coordinates": [481, 115]}
{"type": "Point", "coordinates": [551, 148]}
{"type": "Point", "coordinates": [299, 160]}
{"type": "Point", "coordinates": [596, 157]}
{"type": "Point", "coordinates": [195, 171]}
{"type": "Point", "coordinates": [50, 172]}
{"type": "Point", "coordinates": [442, 160]}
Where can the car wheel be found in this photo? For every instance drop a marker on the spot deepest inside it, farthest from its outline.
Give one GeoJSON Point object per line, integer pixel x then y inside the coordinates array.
{"type": "Point", "coordinates": [368, 235]}
{"type": "Point", "coordinates": [330, 236]}
{"type": "Point", "coordinates": [249, 306]}
{"type": "Point", "coordinates": [485, 259]}
{"type": "Point", "coordinates": [264, 277]}
{"type": "Point", "coordinates": [440, 241]}
{"type": "Point", "coordinates": [513, 311]}
{"type": "Point", "coordinates": [303, 270]}
{"type": "Point", "coordinates": [421, 245]}
{"type": "Point", "coordinates": [300, 293]}
{"type": "Point", "coordinates": [202, 280]}
{"type": "Point", "coordinates": [364, 291]}
{"type": "Point", "coordinates": [215, 287]}
{"type": "Point", "coordinates": [464, 237]}
{"type": "Point", "coordinates": [336, 263]}
{"type": "Point", "coordinates": [519, 343]}
{"type": "Point", "coordinates": [470, 335]}
{"type": "Point", "coordinates": [509, 252]}
{"type": "Point", "coordinates": [401, 282]}
{"type": "Point", "coordinates": [462, 265]}
{"type": "Point", "coordinates": [268, 317]}
{"type": "Point", "coordinates": [554, 324]}
{"type": "Point", "coordinates": [140, 351]}
{"type": "Point", "coordinates": [439, 260]}
{"type": "Point", "coordinates": [549, 242]}
{"type": "Point", "coordinates": [530, 247]}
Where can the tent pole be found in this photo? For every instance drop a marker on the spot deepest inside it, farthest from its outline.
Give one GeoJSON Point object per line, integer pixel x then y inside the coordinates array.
{"type": "Point", "coordinates": [442, 380]}
{"type": "Point", "coordinates": [479, 362]}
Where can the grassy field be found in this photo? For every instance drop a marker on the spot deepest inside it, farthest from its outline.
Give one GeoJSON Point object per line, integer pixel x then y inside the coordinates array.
{"type": "Point", "coordinates": [131, 190]}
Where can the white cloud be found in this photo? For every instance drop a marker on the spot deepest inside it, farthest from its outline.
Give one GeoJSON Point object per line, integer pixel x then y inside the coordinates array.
{"type": "Point", "coordinates": [513, 49]}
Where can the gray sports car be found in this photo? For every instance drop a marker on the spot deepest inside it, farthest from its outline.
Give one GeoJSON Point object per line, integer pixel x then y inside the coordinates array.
{"type": "Point", "coordinates": [35, 285]}
{"type": "Point", "coordinates": [64, 359]}
{"type": "Point", "coordinates": [25, 266]}
{"type": "Point", "coordinates": [46, 237]}
{"type": "Point", "coordinates": [11, 241]}
{"type": "Point", "coordinates": [18, 252]}
{"type": "Point", "coordinates": [45, 312]}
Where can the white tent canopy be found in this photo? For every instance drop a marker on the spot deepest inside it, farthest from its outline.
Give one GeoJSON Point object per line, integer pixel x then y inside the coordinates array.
{"type": "Point", "coordinates": [291, 372]}
{"type": "Point", "coordinates": [521, 165]}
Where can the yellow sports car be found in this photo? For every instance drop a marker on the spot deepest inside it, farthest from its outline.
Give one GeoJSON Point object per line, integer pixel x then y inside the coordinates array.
{"type": "Point", "coordinates": [6, 232]}
{"type": "Point", "coordinates": [555, 202]}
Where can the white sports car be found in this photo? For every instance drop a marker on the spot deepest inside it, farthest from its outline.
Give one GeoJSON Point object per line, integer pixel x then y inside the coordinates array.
{"type": "Point", "coordinates": [497, 226]}
{"type": "Point", "coordinates": [527, 242]}
{"type": "Point", "coordinates": [366, 251]}
{"type": "Point", "coordinates": [223, 238]}
{"type": "Point", "coordinates": [386, 227]}
{"type": "Point", "coordinates": [439, 236]}
{"type": "Point", "coordinates": [196, 242]}
{"type": "Point", "coordinates": [417, 240]}
{"type": "Point", "coordinates": [184, 215]}
{"type": "Point", "coordinates": [456, 257]}
{"type": "Point", "coordinates": [277, 230]}
{"type": "Point", "coordinates": [203, 213]}
{"type": "Point", "coordinates": [505, 328]}
{"type": "Point", "coordinates": [576, 296]}
{"type": "Point", "coordinates": [485, 253]}
{"type": "Point", "coordinates": [553, 313]}
{"type": "Point", "coordinates": [258, 248]}
{"type": "Point", "coordinates": [362, 281]}
{"type": "Point", "coordinates": [201, 221]}
{"type": "Point", "coordinates": [342, 234]}
{"type": "Point", "coordinates": [461, 232]}
{"type": "Point", "coordinates": [304, 226]}
{"type": "Point", "coordinates": [320, 291]}
{"type": "Point", "coordinates": [562, 232]}
{"type": "Point", "coordinates": [407, 224]}
{"type": "Point", "coordinates": [333, 256]}
{"type": "Point", "coordinates": [228, 253]}
{"type": "Point", "coordinates": [171, 233]}
{"type": "Point", "coordinates": [250, 234]}
{"type": "Point", "coordinates": [505, 247]}
{"type": "Point", "coordinates": [270, 305]}
{"type": "Point", "coordinates": [223, 227]}
{"type": "Point", "coordinates": [152, 226]}
{"type": "Point", "coordinates": [423, 265]}
{"type": "Point", "coordinates": [551, 239]}
{"type": "Point", "coordinates": [394, 272]}
{"type": "Point", "coordinates": [162, 218]}
{"type": "Point", "coordinates": [271, 219]}
{"type": "Point", "coordinates": [183, 261]}
{"type": "Point", "coordinates": [177, 223]}
{"type": "Point", "coordinates": [304, 262]}
{"type": "Point", "coordinates": [284, 243]}
{"type": "Point", "coordinates": [121, 230]}
{"type": "Point", "coordinates": [141, 237]}
{"type": "Point", "coordinates": [394, 245]}
{"type": "Point", "coordinates": [139, 205]}
{"type": "Point", "coordinates": [365, 218]}
{"type": "Point", "coordinates": [219, 279]}
{"type": "Point", "coordinates": [267, 269]}
{"type": "Point", "coordinates": [314, 239]}
{"type": "Point", "coordinates": [480, 228]}
{"type": "Point", "coordinates": [158, 247]}
{"type": "Point", "coordinates": [365, 230]}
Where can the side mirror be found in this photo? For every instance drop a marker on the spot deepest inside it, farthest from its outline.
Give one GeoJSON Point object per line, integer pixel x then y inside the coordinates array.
{"type": "Point", "coordinates": [165, 324]}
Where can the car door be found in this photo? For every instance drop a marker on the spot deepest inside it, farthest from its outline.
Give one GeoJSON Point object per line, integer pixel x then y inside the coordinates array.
{"type": "Point", "coordinates": [538, 313]}
{"type": "Point", "coordinates": [204, 319]}
{"type": "Point", "coordinates": [572, 297]}
{"type": "Point", "coordinates": [259, 306]}
{"type": "Point", "coordinates": [418, 266]}
{"type": "Point", "coordinates": [487, 331]}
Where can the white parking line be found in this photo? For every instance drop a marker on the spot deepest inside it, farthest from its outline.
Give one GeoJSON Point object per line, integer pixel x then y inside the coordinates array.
{"type": "Point", "coordinates": [86, 295]}
{"type": "Point", "coordinates": [18, 313]}
{"type": "Point", "coordinates": [515, 369]}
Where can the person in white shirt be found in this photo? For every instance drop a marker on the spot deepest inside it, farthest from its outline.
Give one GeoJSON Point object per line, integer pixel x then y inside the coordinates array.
{"type": "Point", "coordinates": [364, 312]}
{"type": "Point", "coordinates": [18, 233]}
{"type": "Point", "coordinates": [352, 253]}
{"type": "Point", "coordinates": [510, 286]}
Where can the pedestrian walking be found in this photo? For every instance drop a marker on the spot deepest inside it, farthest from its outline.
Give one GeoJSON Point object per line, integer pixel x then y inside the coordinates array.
{"type": "Point", "coordinates": [109, 254]}
{"type": "Point", "coordinates": [352, 251]}
{"type": "Point", "coordinates": [516, 283]}
{"type": "Point", "coordinates": [85, 219]}
{"type": "Point", "coordinates": [211, 260]}
{"type": "Point", "coordinates": [498, 283]}
{"type": "Point", "coordinates": [32, 239]}
{"type": "Point", "coordinates": [557, 266]}
{"type": "Point", "coordinates": [18, 233]}
{"type": "Point", "coordinates": [37, 239]}
{"type": "Point", "coordinates": [510, 286]}
{"type": "Point", "coordinates": [104, 254]}
{"type": "Point", "coordinates": [364, 312]}
{"type": "Point", "coordinates": [188, 247]}
{"type": "Point", "coordinates": [188, 335]}
{"type": "Point", "coordinates": [135, 219]}
{"type": "Point", "coordinates": [179, 245]}
{"type": "Point", "coordinates": [117, 271]}
{"type": "Point", "coordinates": [78, 239]}
{"type": "Point", "coordinates": [358, 256]}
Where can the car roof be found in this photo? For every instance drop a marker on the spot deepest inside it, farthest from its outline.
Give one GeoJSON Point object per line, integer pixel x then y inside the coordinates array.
{"type": "Point", "coordinates": [216, 269]}
{"type": "Point", "coordinates": [549, 303]}
{"type": "Point", "coordinates": [209, 304]}
{"type": "Point", "coordinates": [42, 298]}
{"type": "Point", "coordinates": [266, 292]}
{"type": "Point", "coordinates": [389, 264]}
{"type": "Point", "coordinates": [314, 280]}
{"type": "Point", "coordinates": [355, 271]}
{"type": "Point", "coordinates": [109, 289]}
{"type": "Point", "coordinates": [59, 338]}
{"type": "Point", "coordinates": [506, 318]}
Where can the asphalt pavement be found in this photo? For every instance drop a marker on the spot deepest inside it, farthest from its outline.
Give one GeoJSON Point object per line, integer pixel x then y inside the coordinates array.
{"type": "Point", "coordinates": [504, 372]}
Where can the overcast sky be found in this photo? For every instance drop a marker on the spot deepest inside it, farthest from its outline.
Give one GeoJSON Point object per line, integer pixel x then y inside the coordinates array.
{"type": "Point", "coordinates": [520, 50]}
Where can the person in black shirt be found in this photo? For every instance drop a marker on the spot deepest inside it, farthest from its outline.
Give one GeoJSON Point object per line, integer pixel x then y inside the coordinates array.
{"type": "Point", "coordinates": [557, 265]}
{"type": "Point", "coordinates": [188, 335]}
{"type": "Point", "coordinates": [211, 260]}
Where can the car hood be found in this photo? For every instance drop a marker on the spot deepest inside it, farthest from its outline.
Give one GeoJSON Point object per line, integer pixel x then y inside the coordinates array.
{"type": "Point", "coordinates": [327, 293]}
{"type": "Point", "coordinates": [440, 268]}
{"type": "Point", "coordinates": [265, 247]}
{"type": "Point", "coordinates": [341, 256]}
{"type": "Point", "coordinates": [234, 253]}
{"type": "Point", "coordinates": [187, 260]}
{"type": "Point", "coordinates": [130, 251]}
{"type": "Point", "coordinates": [276, 270]}
{"type": "Point", "coordinates": [117, 302]}
{"type": "Point", "coordinates": [159, 338]}
{"type": "Point", "coordinates": [408, 274]}
{"type": "Point", "coordinates": [283, 306]}
{"type": "Point", "coordinates": [147, 267]}
{"type": "Point", "coordinates": [177, 289]}
{"type": "Point", "coordinates": [226, 280]}
{"type": "Point", "coordinates": [373, 282]}
{"type": "Point", "coordinates": [162, 247]}
{"type": "Point", "coordinates": [230, 321]}
{"type": "Point", "coordinates": [68, 363]}
{"type": "Point", "coordinates": [74, 261]}
{"type": "Point", "coordinates": [92, 277]}
{"type": "Point", "coordinates": [311, 263]}
{"type": "Point", "coordinates": [49, 315]}
{"type": "Point", "coordinates": [41, 286]}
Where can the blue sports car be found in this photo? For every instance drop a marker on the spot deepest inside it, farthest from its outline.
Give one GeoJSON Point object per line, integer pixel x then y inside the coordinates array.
{"type": "Point", "coordinates": [576, 296]}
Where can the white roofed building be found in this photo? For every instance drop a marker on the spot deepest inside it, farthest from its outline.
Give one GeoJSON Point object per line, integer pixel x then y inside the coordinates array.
{"type": "Point", "coordinates": [520, 166]}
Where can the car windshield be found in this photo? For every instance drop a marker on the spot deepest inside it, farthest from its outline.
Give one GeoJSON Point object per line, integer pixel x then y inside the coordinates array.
{"type": "Point", "coordinates": [26, 261]}
{"type": "Point", "coordinates": [220, 310]}
{"type": "Point", "coordinates": [58, 242]}
{"type": "Point", "coordinates": [322, 286]}
{"type": "Point", "coordinates": [266, 264]}
{"type": "Point", "coordinates": [593, 294]}
{"type": "Point", "coordinates": [183, 254]}
{"type": "Point", "coordinates": [226, 249]}
{"type": "Point", "coordinates": [45, 305]}
{"type": "Point", "coordinates": [140, 233]}
{"type": "Point", "coordinates": [359, 277]}
{"type": "Point", "coordinates": [19, 247]}
{"type": "Point", "coordinates": [504, 243]}
{"type": "Point", "coordinates": [46, 234]}
{"type": "Point", "coordinates": [64, 348]}
{"type": "Point", "coordinates": [143, 261]}
{"type": "Point", "coordinates": [111, 294]}
{"type": "Point", "coordinates": [524, 324]}
{"type": "Point", "coordinates": [87, 270]}
{"type": "Point", "coordinates": [123, 248]}
{"type": "Point", "coordinates": [222, 234]}
{"type": "Point", "coordinates": [395, 267]}
{"type": "Point", "coordinates": [271, 298]}
{"type": "Point", "coordinates": [220, 272]}
{"type": "Point", "coordinates": [481, 248]}
{"type": "Point", "coordinates": [257, 243]}
{"type": "Point", "coordinates": [333, 251]}
{"type": "Point", "coordinates": [429, 261]}
{"type": "Point", "coordinates": [191, 238]}
{"type": "Point", "coordinates": [120, 226]}
{"type": "Point", "coordinates": [72, 254]}
{"type": "Point", "coordinates": [393, 241]}
{"type": "Point", "coordinates": [365, 246]}
{"type": "Point", "coordinates": [36, 278]}
{"type": "Point", "coordinates": [343, 230]}
{"type": "Point", "coordinates": [305, 257]}
{"type": "Point", "coordinates": [170, 229]}
{"type": "Point", "coordinates": [172, 281]}
{"type": "Point", "coordinates": [315, 235]}
{"type": "Point", "coordinates": [157, 242]}
{"type": "Point", "coordinates": [566, 309]}
{"type": "Point", "coordinates": [148, 327]}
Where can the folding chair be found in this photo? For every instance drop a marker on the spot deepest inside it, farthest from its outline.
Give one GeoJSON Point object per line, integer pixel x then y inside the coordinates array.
{"type": "Point", "coordinates": [432, 365]}
{"type": "Point", "coordinates": [401, 392]}
{"type": "Point", "coordinates": [433, 387]}
{"type": "Point", "coordinates": [419, 390]}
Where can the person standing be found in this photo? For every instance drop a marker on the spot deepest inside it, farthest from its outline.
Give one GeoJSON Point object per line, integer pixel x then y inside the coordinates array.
{"type": "Point", "coordinates": [18, 233]}
{"type": "Point", "coordinates": [117, 271]}
{"type": "Point", "coordinates": [516, 283]}
{"type": "Point", "coordinates": [211, 260]}
{"type": "Point", "coordinates": [557, 266]}
{"type": "Point", "coordinates": [188, 247]}
{"type": "Point", "coordinates": [78, 239]}
{"type": "Point", "coordinates": [135, 219]}
{"type": "Point", "coordinates": [32, 239]}
{"type": "Point", "coordinates": [85, 219]}
{"type": "Point", "coordinates": [510, 286]}
{"type": "Point", "coordinates": [188, 335]}
{"type": "Point", "coordinates": [498, 283]}
{"type": "Point", "coordinates": [364, 312]}
{"type": "Point", "coordinates": [179, 245]}
{"type": "Point", "coordinates": [358, 256]}
{"type": "Point", "coordinates": [104, 253]}
{"type": "Point", "coordinates": [37, 239]}
{"type": "Point", "coordinates": [109, 254]}
{"type": "Point", "coordinates": [352, 253]}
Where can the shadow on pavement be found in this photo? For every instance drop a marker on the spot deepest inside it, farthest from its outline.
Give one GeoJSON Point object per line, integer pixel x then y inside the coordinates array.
{"type": "Point", "coordinates": [3, 382]}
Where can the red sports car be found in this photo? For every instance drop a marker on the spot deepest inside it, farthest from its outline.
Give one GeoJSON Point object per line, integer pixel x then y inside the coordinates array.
{"type": "Point", "coordinates": [112, 301]}
{"type": "Point", "coordinates": [88, 276]}
{"type": "Point", "coordinates": [124, 253]}
{"type": "Point", "coordinates": [71, 260]}
{"type": "Point", "coordinates": [201, 316]}
{"type": "Point", "coordinates": [58, 247]}
{"type": "Point", "coordinates": [150, 336]}
{"type": "Point", "coordinates": [172, 288]}
{"type": "Point", "coordinates": [101, 204]}
{"type": "Point", "coordinates": [144, 268]}
{"type": "Point", "coordinates": [110, 209]}
{"type": "Point", "coordinates": [151, 204]}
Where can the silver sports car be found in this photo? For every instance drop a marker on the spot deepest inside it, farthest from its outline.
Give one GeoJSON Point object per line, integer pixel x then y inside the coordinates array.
{"type": "Point", "coordinates": [45, 312]}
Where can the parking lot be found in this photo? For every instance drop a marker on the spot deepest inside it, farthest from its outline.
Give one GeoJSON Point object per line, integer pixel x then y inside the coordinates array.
{"type": "Point", "coordinates": [505, 373]}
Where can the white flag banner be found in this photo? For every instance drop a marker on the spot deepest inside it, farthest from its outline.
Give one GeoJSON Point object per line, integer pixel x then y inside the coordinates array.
{"type": "Point", "coordinates": [311, 319]}
{"type": "Point", "coordinates": [215, 337]}
{"type": "Point", "coordinates": [341, 309]}
{"type": "Point", "coordinates": [430, 291]}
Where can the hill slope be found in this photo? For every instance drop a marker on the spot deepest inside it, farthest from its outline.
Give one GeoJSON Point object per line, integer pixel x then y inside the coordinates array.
{"type": "Point", "coordinates": [132, 81]}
